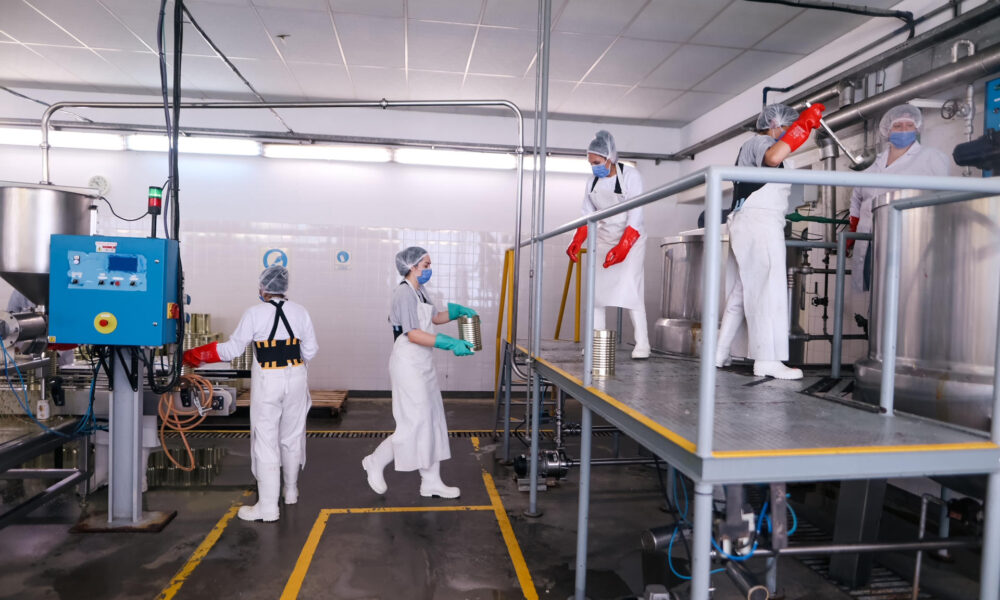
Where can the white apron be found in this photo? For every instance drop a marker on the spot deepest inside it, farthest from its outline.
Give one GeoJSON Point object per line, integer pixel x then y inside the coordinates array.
{"type": "Point", "coordinates": [857, 260]}
{"type": "Point", "coordinates": [279, 404]}
{"type": "Point", "coordinates": [621, 284]}
{"type": "Point", "coordinates": [421, 435]}
{"type": "Point", "coordinates": [757, 241]}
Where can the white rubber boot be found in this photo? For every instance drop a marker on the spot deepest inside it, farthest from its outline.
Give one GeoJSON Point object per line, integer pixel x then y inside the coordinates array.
{"type": "Point", "coordinates": [641, 349]}
{"type": "Point", "coordinates": [776, 369]}
{"type": "Point", "coordinates": [727, 333]}
{"type": "Point", "coordinates": [266, 509]}
{"type": "Point", "coordinates": [431, 484]}
{"type": "Point", "coordinates": [374, 465]}
{"type": "Point", "coordinates": [290, 472]}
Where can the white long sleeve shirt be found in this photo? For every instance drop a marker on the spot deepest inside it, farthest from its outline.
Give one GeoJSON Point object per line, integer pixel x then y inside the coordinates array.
{"type": "Point", "coordinates": [631, 182]}
{"type": "Point", "coordinates": [917, 160]}
{"type": "Point", "coordinates": [256, 324]}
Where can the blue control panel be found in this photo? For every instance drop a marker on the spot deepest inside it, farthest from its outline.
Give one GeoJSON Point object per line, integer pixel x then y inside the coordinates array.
{"type": "Point", "coordinates": [113, 290]}
{"type": "Point", "coordinates": [992, 110]}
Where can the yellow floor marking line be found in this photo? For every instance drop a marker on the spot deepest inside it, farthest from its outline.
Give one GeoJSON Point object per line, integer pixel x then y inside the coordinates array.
{"type": "Point", "coordinates": [199, 553]}
{"type": "Point", "coordinates": [513, 548]}
{"type": "Point", "coordinates": [294, 584]}
{"type": "Point", "coordinates": [475, 443]}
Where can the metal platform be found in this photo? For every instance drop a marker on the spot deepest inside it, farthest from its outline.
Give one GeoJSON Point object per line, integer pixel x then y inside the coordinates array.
{"type": "Point", "coordinates": [764, 429]}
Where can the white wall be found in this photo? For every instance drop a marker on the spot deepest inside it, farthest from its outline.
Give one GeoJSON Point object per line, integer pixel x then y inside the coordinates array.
{"type": "Point", "coordinates": [233, 208]}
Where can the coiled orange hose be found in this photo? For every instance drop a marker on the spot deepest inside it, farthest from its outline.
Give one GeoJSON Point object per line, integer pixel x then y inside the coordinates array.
{"type": "Point", "coordinates": [184, 420]}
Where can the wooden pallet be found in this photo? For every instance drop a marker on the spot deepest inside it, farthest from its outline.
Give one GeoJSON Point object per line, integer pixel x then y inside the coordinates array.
{"type": "Point", "coordinates": [335, 400]}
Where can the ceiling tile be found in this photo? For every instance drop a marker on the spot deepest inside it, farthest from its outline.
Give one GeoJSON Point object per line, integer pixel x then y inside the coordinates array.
{"type": "Point", "coordinates": [491, 87]}
{"type": "Point", "coordinates": [9, 55]}
{"type": "Point", "coordinates": [235, 29]}
{"type": "Point", "coordinates": [591, 99]}
{"type": "Point", "coordinates": [522, 14]}
{"type": "Point", "coordinates": [40, 68]}
{"type": "Point", "coordinates": [140, 66]}
{"type": "Point", "coordinates": [310, 35]}
{"type": "Point", "coordinates": [572, 54]}
{"type": "Point", "coordinates": [269, 77]}
{"type": "Point", "coordinates": [374, 84]}
{"type": "Point", "coordinates": [211, 75]}
{"type": "Point", "coordinates": [29, 27]}
{"type": "Point", "coordinates": [629, 61]}
{"type": "Point", "coordinates": [746, 70]}
{"type": "Point", "coordinates": [141, 19]}
{"type": "Point", "coordinates": [689, 65]}
{"type": "Point", "coordinates": [376, 8]}
{"type": "Point", "coordinates": [690, 106]}
{"type": "Point", "coordinates": [810, 31]}
{"type": "Point", "coordinates": [428, 85]}
{"type": "Point", "coordinates": [448, 11]}
{"type": "Point", "coordinates": [743, 24]}
{"type": "Point", "coordinates": [292, 4]}
{"type": "Point", "coordinates": [659, 20]}
{"type": "Point", "coordinates": [322, 82]}
{"type": "Point", "coordinates": [597, 16]}
{"type": "Point", "coordinates": [440, 46]}
{"type": "Point", "coordinates": [503, 51]}
{"type": "Point", "coordinates": [89, 22]}
{"type": "Point", "coordinates": [371, 41]}
{"type": "Point", "coordinates": [89, 67]}
{"type": "Point", "coordinates": [642, 103]}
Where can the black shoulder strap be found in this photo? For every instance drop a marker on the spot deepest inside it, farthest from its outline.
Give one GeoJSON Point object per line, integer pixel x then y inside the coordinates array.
{"type": "Point", "coordinates": [279, 315]}
{"type": "Point", "coordinates": [618, 184]}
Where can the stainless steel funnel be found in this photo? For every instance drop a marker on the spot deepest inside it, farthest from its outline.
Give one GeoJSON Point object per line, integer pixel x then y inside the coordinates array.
{"type": "Point", "coordinates": [29, 215]}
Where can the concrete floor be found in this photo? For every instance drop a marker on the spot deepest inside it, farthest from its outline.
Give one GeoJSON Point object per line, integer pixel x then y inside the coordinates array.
{"type": "Point", "coordinates": [416, 554]}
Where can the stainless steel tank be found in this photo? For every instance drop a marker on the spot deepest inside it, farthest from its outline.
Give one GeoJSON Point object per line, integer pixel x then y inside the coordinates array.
{"type": "Point", "coordinates": [678, 330]}
{"type": "Point", "coordinates": [29, 215]}
{"type": "Point", "coordinates": [949, 290]}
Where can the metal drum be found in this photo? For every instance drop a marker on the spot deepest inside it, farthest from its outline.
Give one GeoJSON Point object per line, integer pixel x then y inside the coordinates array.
{"type": "Point", "coordinates": [29, 215]}
{"type": "Point", "coordinates": [678, 330]}
{"type": "Point", "coordinates": [604, 353]}
{"type": "Point", "coordinates": [469, 330]}
{"type": "Point", "coordinates": [949, 290]}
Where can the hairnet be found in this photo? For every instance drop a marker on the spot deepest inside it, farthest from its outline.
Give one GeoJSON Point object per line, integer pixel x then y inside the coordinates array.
{"type": "Point", "coordinates": [407, 258]}
{"type": "Point", "coordinates": [775, 116]}
{"type": "Point", "coordinates": [274, 280]}
{"type": "Point", "coordinates": [603, 144]}
{"type": "Point", "coordinates": [903, 112]}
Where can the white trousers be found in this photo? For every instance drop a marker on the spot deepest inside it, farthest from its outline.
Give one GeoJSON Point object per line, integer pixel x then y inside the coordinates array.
{"type": "Point", "coordinates": [638, 317]}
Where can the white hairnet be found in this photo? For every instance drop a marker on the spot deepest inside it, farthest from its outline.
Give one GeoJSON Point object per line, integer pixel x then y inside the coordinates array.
{"type": "Point", "coordinates": [603, 144]}
{"type": "Point", "coordinates": [407, 258]}
{"type": "Point", "coordinates": [775, 116]}
{"type": "Point", "coordinates": [903, 112]}
{"type": "Point", "coordinates": [274, 280]}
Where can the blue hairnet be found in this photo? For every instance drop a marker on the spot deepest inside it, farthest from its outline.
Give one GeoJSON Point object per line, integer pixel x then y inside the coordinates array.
{"type": "Point", "coordinates": [408, 258]}
{"type": "Point", "coordinates": [274, 280]}
{"type": "Point", "coordinates": [775, 116]}
{"type": "Point", "coordinates": [903, 112]}
{"type": "Point", "coordinates": [604, 145]}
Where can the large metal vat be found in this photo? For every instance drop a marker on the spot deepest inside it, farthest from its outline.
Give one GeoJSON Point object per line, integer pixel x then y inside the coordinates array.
{"type": "Point", "coordinates": [678, 330]}
{"type": "Point", "coordinates": [948, 297]}
{"type": "Point", "coordinates": [29, 215]}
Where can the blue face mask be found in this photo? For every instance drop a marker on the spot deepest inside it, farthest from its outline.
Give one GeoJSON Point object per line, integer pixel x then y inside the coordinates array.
{"type": "Point", "coordinates": [424, 276]}
{"type": "Point", "coordinates": [600, 170]}
{"type": "Point", "coordinates": [902, 139]}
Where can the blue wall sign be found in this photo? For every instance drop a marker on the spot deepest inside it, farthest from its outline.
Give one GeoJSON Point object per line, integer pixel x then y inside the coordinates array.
{"type": "Point", "coordinates": [275, 256]}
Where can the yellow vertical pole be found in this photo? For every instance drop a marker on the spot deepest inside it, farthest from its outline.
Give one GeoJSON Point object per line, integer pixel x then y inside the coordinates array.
{"type": "Point", "coordinates": [565, 294]}
{"type": "Point", "coordinates": [507, 260]}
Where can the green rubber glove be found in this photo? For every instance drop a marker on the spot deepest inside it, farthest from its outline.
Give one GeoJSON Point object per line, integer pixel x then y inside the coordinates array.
{"type": "Point", "coordinates": [457, 310]}
{"type": "Point", "coordinates": [459, 347]}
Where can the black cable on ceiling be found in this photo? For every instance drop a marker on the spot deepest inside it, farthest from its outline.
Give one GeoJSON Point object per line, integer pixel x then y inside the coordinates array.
{"type": "Point", "coordinates": [230, 64]}
{"type": "Point", "coordinates": [903, 15]}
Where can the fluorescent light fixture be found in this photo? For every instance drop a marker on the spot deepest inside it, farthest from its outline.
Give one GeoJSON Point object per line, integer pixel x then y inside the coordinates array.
{"type": "Point", "coordinates": [20, 137]}
{"type": "Point", "coordinates": [86, 140]}
{"type": "Point", "coordinates": [195, 145]}
{"type": "Point", "coordinates": [62, 139]}
{"type": "Point", "coordinates": [321, 152]}
{"type": "Point", "coordinates": [563, 164]}
{"type": "Point", "coordinates": [454, 158]}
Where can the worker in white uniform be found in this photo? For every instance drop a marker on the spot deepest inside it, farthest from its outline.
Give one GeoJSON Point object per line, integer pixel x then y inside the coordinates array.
{"type": "Point", "coordinates": [420, 440]}
{"type": "Point", "coordinates": [902, 156]}
{"type": "Point", "coordinates": [284, 341]}
{"type": "Point", "coordinates": [620, 239]}
{"type": "Point", "coordinates": [757, 245]}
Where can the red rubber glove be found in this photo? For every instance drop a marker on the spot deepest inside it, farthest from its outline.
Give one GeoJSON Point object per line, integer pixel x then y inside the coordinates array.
{"type": "Point", "coordinates": [202, 354]}
{"type": "Point", "coordinates": [799, 132]}
{"type": "Point", "coordinates": [853, 227]}
{"type": "Point", "coordinates": [574, 247]}
{"type": "Point", "coordinates": [619, 252]}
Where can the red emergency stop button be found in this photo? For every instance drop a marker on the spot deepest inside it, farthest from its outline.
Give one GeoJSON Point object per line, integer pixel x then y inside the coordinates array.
{"type": "Point", "coordinates": [105, 322]}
